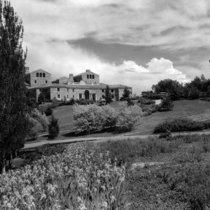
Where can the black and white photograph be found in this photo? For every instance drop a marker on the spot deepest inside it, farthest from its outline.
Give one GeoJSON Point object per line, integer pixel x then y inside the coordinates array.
{"type": "Point", "coordinates": [104, 105]}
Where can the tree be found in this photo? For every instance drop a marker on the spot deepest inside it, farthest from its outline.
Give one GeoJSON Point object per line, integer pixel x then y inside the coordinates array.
{"type": "Point", "coordinates": [172, 87]}
{"type": "Point", "coordinates": [13, 119]}
{"type": "Point", "coordinates": [108, 95]}
{"type": "Point", "coordinates": [53, 128]}
{"type": "Point", "coordinates": [41, 98]}
{"type": "Point", "coordinates": [166, 104]}
{"type": "Point", "coordinates": [126, 93]}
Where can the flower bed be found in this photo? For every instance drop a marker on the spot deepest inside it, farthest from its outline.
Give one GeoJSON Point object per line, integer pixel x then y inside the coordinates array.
{"type": "Point", "coordinates": [79, 178]}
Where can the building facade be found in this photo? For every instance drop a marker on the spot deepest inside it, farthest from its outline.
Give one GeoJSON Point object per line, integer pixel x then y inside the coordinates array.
{"type": "Point", "coordinates": [83, 86]}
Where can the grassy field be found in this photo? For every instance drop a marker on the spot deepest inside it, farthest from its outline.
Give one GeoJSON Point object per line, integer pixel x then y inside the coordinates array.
{"type": "Point", "coordinates": [195, 109]}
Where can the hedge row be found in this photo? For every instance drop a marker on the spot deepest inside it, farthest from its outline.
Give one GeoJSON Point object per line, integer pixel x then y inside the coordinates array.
{"type": "Point", "coordinates": [182, 124]}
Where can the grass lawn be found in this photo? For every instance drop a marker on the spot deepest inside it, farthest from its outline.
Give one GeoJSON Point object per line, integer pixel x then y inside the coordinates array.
{"type": "Point", "coordinates": [194, 109]}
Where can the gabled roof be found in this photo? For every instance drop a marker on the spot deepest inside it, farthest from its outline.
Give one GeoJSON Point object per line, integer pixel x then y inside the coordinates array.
{"type": "Point", "coordinates": [39, 70]}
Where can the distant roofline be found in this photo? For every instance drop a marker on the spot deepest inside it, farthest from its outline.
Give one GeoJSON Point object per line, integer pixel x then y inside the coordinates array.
{"type": "Point", "coordinates": [77, 86]}
{"type": "Point", "coordinates": [39, 70]}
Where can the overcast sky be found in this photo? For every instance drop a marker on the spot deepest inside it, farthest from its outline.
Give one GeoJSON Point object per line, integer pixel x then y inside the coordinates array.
{"type": "Point", "coordinates": [133, 42]}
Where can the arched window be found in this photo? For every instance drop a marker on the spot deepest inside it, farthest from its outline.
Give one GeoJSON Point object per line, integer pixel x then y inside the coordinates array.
{"type": "Point", "coordinates": [87, 76]}
{"type": "Point", "coordinates": [43, 74]}
{"type": "Point", "coordinates": [93, 77]}
{"type": "Point", "coordinates": [40, 74]}
{"type": "Point", "coordinates": [37, 74]}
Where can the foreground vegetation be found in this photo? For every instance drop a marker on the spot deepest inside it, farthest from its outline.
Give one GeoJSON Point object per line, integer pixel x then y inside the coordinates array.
{"type": "Point", "coordinates": [78, 178]}
{"type": "Point", "coordinates": [139, 174]}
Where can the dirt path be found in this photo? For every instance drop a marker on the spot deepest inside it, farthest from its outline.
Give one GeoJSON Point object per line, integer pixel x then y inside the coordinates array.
{"type": "Point", "coordinates": [130, 136]}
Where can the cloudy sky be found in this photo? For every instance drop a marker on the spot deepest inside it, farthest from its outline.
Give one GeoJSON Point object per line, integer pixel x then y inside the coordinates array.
{"type": "Point", "coordinates": [135, 42]}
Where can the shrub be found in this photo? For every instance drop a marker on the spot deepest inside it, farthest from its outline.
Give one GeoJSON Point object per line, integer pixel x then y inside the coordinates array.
{"type": "Point", "coordinates": [179, 124]}
{"type": "Point", "coordinates": [87, 118]}
{"type": "Point", "coordinates": [48, 111]}
{"type": "Point", "coordinates": [146, 101]}
{"type": "Point", "coordinates": [166, 104]}
{"type": "Point", "coordinates": [41, 118]}
{"type": "Point", "coordinates": [127, 118]}
{"type": "Point", "coordinates": [109, 117]}
{"type": "Point", "coordinates": [84, 101]}
{"type": "Point", "coordinates": [53, 128]}
{"type": "Point", "coordinates": [91, 118]}
{"type": "Point", "coordinates": [41, 98]}
{"type": "Point", "coordinates": [31, 136]}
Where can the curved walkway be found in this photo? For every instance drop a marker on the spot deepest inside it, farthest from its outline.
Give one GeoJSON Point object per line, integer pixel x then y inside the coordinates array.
{"type": "Point", "coordinates": [103, 139]}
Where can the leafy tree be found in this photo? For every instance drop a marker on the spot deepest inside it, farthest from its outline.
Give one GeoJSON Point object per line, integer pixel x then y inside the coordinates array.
{"type": "Point", "coordinates": [172, 87]}
{"type": "Point", "coordinates": [41, 98]}
{"type": "Point", "coordinates": [126, 93]}
{"type": "Point", "coordinates": [13, 119]}
{"type": "Point", "coordinates": [108, 95]}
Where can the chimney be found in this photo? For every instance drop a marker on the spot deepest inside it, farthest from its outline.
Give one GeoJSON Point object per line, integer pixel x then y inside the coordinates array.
{"type": "Point", "coordinates": [26, 70]}
{"type": "Point", "coordinates": [88, 70]}
{"type": "Point", "coordinates": [71, 77]}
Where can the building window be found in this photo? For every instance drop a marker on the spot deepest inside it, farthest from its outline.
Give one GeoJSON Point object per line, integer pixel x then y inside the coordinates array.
{"type": "Point", "coordinates": [112, 96]}
{"type": "Point", "coordinates": [73, 90]}
{"type": "Point", "coordinates": [87, 76]}
{"type": "Point", "coordinates": [43, 74]}
{"type": "Point", "coordinates": [103, 90]}
{"type": "Point", "coordinates": [80, 96]}
{"type": "Point", "coordinates": [112, 90]}
{"type": "Point", "coordinates": [93, 77]}
{"type": "Point", "coordinates": [46, 81]}
{"type": "Point", "coordinates": [58, 89]}
{"type": "Point", "coordinates": [58, 96]}
{"type": "Point", "coordinates": [40, 74]}
{"type": "Point", "coordinates": [34, 81]}
{"type": "Point", "coordinates": [37, 74]}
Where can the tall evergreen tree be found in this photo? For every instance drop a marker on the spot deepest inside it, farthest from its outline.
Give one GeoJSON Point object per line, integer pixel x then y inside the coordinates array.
{"type": "Point", "coordinates": [108, 95]}
{"type": "Point", "coordinates": [13, 120]}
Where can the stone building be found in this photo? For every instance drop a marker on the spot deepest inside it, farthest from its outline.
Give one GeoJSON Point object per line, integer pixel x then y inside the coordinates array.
{"type": "Point", "coordinates": [82, 86]}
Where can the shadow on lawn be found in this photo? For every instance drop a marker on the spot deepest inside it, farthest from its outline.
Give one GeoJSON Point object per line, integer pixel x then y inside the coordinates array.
{"type": "Point", "coordinates": [104, 131]}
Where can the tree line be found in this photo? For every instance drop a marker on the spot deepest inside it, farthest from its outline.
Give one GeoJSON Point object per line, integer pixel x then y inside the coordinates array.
{"type": "Point", "coordinates": [199, 87]}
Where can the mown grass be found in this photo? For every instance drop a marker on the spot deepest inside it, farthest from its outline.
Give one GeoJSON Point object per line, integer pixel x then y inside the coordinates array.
{"type": "Point", "coordinates": [195, 110]}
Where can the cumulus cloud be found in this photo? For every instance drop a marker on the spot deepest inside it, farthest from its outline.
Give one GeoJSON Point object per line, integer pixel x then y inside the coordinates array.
{"type": "Point", "coordinates": [170, 25]}
{"type": "Point", "coordinates": [62, 59]}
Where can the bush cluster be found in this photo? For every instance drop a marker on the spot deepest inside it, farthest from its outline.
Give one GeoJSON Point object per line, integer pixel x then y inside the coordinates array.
{"type": "Point", "coordinates": [181, 124]}
{"type": "Point", "coordinates": [91, 118]}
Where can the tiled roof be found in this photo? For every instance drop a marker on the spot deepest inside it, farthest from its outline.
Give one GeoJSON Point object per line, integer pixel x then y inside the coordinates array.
{"type": "Point", "coordinates": [78, 86]}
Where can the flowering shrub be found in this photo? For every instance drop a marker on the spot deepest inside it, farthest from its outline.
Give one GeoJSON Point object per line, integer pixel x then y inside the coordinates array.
{"type": "Point", "coordinates": [94, 118]}
{"type": "Point", "coordinates": [128, 117]}
{"type": "Point", "coordinates": [90, 118]}
{"type": "Point", "coordinates": [41, 118]}
{"type": "Point", "coordinates": [80, 178]}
